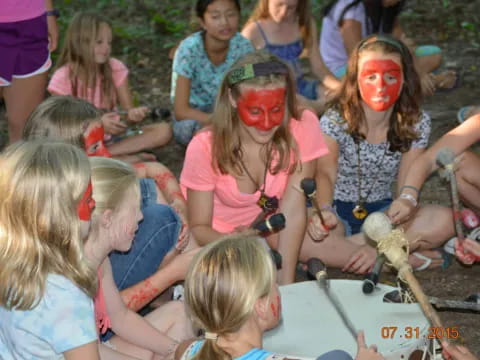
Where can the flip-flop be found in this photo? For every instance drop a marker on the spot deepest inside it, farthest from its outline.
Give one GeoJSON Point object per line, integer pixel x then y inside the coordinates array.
{"type": "Point", "coordinates": [462, 113]}
{"type": "Point", "coordinates": [447, 260]}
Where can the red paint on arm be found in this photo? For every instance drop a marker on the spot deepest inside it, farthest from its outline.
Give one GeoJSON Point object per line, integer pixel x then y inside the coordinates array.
{"type": "Point", "coordinates": [139, 295]}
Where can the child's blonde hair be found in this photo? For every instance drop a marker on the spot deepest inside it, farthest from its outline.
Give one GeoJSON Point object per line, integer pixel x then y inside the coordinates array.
{"type": "Point", "coordinates": [42, 183]}
{"type": "Point", "coordinates": [61, 117]}
{"type": "Point", "coordinates": [111, 181]}
{"type": "Point", "coordinates": [223, 283]}
{"type": "Point", "coordinates": [78, 54]}
{"type": "Point", "coordinates": [303, 12]}
{"type": "Point", "coordinates": [226, 145]}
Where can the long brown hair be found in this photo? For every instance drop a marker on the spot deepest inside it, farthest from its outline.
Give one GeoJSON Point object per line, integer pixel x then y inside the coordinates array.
{"type": "Point", "coordinates": [406, 111]}
{"type": "Point", "coordinates": [78, 54]}
{"type": "Point", "coordinates": [303, 12]}
{"type": "Point", "coordinates": [227, 147]}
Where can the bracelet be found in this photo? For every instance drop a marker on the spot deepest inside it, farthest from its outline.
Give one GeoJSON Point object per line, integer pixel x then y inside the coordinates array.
{"type": "Point", "coordinates": [328, 207]}
{"type": "Point", "coordinates": [54, 12]}
{"type": "Point", "coordinates": [410, 187]}
{"type": "Point", "coordinates": [409, 198]}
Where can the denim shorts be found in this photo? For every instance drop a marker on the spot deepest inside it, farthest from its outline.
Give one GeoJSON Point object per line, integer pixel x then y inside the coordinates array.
{"type": "Point", "coordinates": [184, 130]}
{"type": "Point", "coordinates": [352, 224]}
{"type": "Point", "coordinates": [148, 191]}
{"type": "Point", "coordinates": [307, 88]}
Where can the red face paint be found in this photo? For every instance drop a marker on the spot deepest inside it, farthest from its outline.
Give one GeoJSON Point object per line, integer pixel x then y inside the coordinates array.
{"type": "Point", "coordinates": [94, 145]}
{"type": "Point", "coordinates": [263, 109]}
{"type": "Point", "coordinates": [276, 307]}
{"type": "Point", "coordinates": [380, 83]}
{"type": "Point", "coordinates": [86, 205]}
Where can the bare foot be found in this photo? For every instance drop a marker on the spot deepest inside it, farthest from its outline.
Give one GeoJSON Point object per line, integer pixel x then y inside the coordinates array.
{"type": "Point", "coordinates": [445, 80]}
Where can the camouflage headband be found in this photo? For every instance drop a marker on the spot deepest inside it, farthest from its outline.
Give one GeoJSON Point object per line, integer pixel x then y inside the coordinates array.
{"type": "Point", "coordinates": [251, 71]}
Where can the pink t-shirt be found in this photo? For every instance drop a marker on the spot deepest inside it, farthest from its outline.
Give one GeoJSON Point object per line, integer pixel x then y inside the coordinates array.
{"type": "Point", "coordinates": [18, 10]}
{"type": "Point", "coordinates": [231, 208]}
{"type": "Point", "coordinates": [60, 82]}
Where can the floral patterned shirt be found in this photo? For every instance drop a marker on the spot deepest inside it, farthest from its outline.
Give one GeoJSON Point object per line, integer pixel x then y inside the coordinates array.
{"type": "Point", "coordinates": [191, 61]}
{"type": "Point", "coordinates": [379, 166]}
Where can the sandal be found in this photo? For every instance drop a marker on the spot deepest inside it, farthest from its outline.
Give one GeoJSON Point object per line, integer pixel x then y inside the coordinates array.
{"type": "Point", "coordinates": [445, 257]}
{"type": "Point", "coordinates": [467, 111]}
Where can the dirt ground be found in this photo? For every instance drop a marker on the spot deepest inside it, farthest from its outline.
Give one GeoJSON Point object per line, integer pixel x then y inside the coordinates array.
{"type": "Point", "coordinates": [453, 25]}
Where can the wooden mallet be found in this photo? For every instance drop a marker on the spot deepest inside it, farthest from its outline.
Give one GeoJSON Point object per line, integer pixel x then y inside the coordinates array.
{"type": "Point", "coordinates": [390, 242]}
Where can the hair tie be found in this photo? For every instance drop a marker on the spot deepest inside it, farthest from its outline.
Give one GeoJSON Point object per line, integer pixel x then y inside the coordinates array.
{"type": "Point", "coordinates": [251, 71]}
{"type": "Point", "coordinates": [211, 336]}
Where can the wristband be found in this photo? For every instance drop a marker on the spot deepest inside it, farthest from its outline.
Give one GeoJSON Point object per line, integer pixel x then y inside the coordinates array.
{"type": "Point", "coordinates": [329, 208]}
{"type": "Point", "coordinates": [410, 187]}
{"type": "Point", "coordinates": [409, 198]}
{"type": "Point", "coordinates": [54, 12]}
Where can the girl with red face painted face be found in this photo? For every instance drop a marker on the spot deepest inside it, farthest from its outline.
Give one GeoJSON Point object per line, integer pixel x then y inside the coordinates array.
{"type": "Point", "coordinates": [162, 232]}
{"type": "Point", "coordinates": [375, 131]}
{"type": "Point", "coordinates": [44, 183]}
{"type": "Point", "coordinates": [347, 22]}
{"type": "Point", "coordinates": [257, 150]}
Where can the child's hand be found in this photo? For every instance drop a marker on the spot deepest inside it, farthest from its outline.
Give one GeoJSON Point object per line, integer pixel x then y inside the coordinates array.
{"type": "Point", "coordinates": [179, 264]}
{"type": "Point", "coordinates": [362, 260]}
{"type": "Point", "coordinates": [138, 114]}
{"type": "Point", "coordinates": [316, 230]}
{"type": "Point", "coordinates": [400, 210]}
{"type": "Point", "coordinates": [364, 353]}
{"type": "Point", "coordinates": [467, 252]}
{"type": "Point", "coordinates": [112, 124]}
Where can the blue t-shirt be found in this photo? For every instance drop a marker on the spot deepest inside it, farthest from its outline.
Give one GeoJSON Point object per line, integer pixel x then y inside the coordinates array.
{"type": "Point", "coordinates": [254, 354]}
{"type": "Point", "coordinates": [191, 61]}
{"type": "Point", "coordinates": [63, 320]}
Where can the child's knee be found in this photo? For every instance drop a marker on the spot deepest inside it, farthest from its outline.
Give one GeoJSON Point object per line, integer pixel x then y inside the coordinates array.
{"type": "Point", "coordinates": [164, 131]}
{"type": "Point", "coordinates": [160, 133]}
{"type": "Point", "coordinates": [468, 166]}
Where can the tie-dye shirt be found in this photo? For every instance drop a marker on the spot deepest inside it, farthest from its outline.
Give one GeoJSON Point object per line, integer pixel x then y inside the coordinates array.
{"type": "Point", "coordinates": [254, 354]}
{"type": "Point", "coordinates": [63, 320]}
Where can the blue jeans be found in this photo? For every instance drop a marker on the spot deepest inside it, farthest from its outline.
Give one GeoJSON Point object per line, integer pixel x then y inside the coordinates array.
{"type": "Point", "coordinates": [184, 130]}
{"type": "Point", "coordinates": [352, 224]}
{"type": "Point", "coordinates": [307, 88]}
{"type": "Point", "coordinates": [157, 234]}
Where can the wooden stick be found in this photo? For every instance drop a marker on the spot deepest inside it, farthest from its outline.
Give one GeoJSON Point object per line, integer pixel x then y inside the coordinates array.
{"type": "Point", "coordinates": [406, 273]}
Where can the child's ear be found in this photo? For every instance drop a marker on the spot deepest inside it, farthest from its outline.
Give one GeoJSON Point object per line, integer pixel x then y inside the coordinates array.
{"type": "Point", "coordinates": [106, 218]}
{"type": "Point", "coordinates": [261, 308]}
